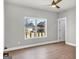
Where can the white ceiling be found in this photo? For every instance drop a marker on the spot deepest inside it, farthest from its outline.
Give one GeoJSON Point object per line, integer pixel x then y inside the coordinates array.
{"type": "Point", "coordinates": [43, 4]}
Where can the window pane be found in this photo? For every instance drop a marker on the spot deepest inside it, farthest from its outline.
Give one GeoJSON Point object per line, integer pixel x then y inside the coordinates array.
{"type": "Point", "coordinates": [35, 28]}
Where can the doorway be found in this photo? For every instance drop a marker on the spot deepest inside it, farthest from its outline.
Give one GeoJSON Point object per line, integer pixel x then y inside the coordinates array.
{"type": "Point", "coordinates": [62, 29]}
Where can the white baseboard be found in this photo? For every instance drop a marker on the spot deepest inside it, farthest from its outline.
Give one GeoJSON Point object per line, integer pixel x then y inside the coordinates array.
{"type": "Point", "coordinates": [68, 43]}
{"type": "Point", "coordinates": [27, 46]}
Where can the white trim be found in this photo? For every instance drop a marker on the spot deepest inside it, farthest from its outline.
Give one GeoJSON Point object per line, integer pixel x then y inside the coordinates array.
{"type": "Point", "coordinates": [72, 44]}
{"type": "Point", "coordinates": [27, 46]}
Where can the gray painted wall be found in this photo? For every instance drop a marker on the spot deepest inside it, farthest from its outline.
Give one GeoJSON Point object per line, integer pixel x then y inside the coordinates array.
{"type": "Point", "coordinates": [14, 25]}
{"type": "Point", "coordinates": [71, 24]}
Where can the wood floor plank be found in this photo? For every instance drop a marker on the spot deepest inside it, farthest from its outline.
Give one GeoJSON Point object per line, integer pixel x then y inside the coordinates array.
{"type": "Point", "coordinates": [51, 51]}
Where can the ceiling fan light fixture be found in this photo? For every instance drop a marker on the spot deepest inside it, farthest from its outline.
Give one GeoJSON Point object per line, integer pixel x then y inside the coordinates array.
{"type": "Point", "coordinates": [53, 5]}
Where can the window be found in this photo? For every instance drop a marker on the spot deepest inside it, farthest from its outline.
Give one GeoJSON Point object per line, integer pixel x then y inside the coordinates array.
{"type": "Point", "coordinates": [35, 27]}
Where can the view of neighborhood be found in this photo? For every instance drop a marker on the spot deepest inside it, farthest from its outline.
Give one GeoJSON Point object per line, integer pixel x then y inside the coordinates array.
{"type": "Point", "coordinates": [35, 27]}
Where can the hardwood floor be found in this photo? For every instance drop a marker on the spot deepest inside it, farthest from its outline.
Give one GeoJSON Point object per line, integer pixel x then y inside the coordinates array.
{"type": "Point", "coordinates": [51, 51]}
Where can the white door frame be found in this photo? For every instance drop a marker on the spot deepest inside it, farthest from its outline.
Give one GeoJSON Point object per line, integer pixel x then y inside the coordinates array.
{"type": "Point", "coordinates": [65, 27]}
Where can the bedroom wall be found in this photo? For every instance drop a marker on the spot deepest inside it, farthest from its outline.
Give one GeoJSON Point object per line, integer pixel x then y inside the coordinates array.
{"type": "Point", "coordinates": [14, 25]}
{"type": "Point", "coordinates": [70, 14]}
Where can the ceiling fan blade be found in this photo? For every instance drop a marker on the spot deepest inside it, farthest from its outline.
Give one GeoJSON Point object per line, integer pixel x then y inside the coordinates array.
{"type": "Point", "coordinates": [57, 6]}
{"type": "Point", "coordinates": [53, 2]}
{"type": "Point", "coordinates": [57, 1]}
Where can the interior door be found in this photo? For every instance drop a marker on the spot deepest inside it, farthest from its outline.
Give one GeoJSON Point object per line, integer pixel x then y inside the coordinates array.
{"type": "Point", "coordinates": [61, 29]}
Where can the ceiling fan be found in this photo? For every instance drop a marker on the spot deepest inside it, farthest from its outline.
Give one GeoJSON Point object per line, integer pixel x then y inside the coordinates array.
{"type": "Point", "coordinates": [54, 3]}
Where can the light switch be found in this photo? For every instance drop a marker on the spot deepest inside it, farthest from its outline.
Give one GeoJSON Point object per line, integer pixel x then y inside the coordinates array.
{"type": "Point", "coordinates": [19, 42]}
